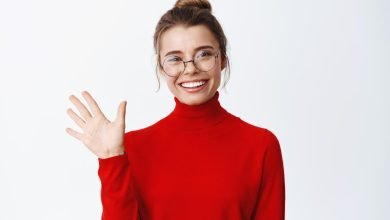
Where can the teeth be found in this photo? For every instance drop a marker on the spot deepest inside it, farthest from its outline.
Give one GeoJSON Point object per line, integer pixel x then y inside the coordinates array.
{"type": "Point", "coordinates": [193, 84]}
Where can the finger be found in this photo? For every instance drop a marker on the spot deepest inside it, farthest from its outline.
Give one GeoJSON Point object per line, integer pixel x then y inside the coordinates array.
{"type": "Point", "coordinates": [79, 121]}
{"type": "Point", "coordinates": [74, 133]}
{"type": "Point", "coordinates": [92, 104]}
{"type": "Point", "coordinates": [81, 107]}
{"type": "Point", "coordinates": [120, 115]}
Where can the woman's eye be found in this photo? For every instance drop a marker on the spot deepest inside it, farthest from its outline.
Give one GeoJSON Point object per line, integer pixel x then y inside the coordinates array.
{"type": "Point", "coordinates": [204, 53]}
{"type": "Point", "coordinates": [173, 59]}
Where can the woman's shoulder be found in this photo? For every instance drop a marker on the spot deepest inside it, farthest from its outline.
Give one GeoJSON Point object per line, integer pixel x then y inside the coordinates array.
{"type": "Point", "coordinates": [255, 130]}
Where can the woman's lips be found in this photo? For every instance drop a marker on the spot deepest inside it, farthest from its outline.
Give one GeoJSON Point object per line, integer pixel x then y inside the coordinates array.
{"type": "Point", "coordinates": [194, 89]}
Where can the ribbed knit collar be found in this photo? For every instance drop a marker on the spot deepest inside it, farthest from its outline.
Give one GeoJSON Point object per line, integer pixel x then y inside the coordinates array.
{"type": "Point", "coordinates": [204, 115]}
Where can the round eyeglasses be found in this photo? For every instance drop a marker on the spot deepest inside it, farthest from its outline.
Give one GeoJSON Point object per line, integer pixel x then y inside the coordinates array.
{"type": "Point", "coordinates": [204, 60]}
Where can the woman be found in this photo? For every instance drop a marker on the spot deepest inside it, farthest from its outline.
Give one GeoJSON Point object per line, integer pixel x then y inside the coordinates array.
{"type": "Point", "coordinates": [198, 162]}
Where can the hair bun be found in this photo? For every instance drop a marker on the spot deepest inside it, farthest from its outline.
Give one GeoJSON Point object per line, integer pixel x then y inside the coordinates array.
{"type": "Point", "coordinates": [201, 4]}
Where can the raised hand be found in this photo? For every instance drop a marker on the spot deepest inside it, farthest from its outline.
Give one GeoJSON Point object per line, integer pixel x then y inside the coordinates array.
{"type": "Point", "coordinates": [103, 137]}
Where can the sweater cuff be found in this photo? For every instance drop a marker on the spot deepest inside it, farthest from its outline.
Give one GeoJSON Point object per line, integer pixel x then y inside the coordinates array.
{"type": "Point", "coordinates": [113, 161]}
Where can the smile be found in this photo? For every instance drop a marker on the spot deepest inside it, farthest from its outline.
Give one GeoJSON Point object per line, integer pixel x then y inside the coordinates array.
{"type": "Point", "coordinates": [194, 86]}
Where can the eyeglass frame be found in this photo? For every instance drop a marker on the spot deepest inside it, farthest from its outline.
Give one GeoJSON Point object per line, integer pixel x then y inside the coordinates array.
{"type": "Point", "coordinates": [189, 61]}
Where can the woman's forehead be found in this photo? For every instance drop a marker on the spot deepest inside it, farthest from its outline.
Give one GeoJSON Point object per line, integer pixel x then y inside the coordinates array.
{"type": "Point", "coordinates": [187, 39]}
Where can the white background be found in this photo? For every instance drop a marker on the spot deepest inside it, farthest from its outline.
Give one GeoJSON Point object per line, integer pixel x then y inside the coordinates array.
{"type": "Point", "coordinates": [316, 73]}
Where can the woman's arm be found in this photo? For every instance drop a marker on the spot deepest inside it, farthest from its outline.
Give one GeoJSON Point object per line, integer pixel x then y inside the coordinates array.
{"type": "Point", "coordinates": [271, 198]}
{"type": "Point", "coordinates": [105, 139]}
{"type": "Point", "coordinates": [117, 192]}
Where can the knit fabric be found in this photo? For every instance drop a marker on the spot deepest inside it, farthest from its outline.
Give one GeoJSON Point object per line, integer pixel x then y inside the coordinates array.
{"type": "Point", "coordinates": [200, 162]}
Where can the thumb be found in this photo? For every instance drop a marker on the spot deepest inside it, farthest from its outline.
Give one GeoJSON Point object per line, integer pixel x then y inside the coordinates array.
{"type": "Point", "coordinates": [120, 115]}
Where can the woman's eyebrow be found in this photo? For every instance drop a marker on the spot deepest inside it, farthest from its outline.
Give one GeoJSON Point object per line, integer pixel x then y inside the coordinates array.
{"type": "Point", "coordinates": [196, 49]}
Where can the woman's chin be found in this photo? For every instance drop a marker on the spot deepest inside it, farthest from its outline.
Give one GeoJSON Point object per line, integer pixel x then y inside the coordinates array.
{"type": "Point", "coordinates": [194, 99]}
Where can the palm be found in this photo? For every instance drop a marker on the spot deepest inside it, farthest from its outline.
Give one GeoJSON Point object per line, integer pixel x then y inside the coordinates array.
{"type": "Point", "coordinates": [101, 134]}
{"type": "Point", "coordinates": [103, 137]}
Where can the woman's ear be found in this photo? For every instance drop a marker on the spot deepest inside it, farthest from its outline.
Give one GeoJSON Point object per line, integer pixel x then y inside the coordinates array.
{"type": "Point", "coordinates": [161, 72]}
{"type": "Point", "coordinates": [223, 63]}
{"type": "Point", "coordinates": [159, 69]}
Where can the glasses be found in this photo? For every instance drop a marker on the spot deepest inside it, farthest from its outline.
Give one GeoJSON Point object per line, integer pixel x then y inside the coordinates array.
{"type": "Point", "coordinates": [204, 60]}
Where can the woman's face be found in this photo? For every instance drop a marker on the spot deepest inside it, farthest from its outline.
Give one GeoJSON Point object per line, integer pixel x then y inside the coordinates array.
{"type": "Point", "coordinates": [184, 43]}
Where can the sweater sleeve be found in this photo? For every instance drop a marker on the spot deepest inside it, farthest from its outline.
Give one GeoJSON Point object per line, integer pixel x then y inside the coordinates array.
{"type": "Point", "coordinates": [117, 193]}
{"type": "Point", "coordinates": [271, 198]}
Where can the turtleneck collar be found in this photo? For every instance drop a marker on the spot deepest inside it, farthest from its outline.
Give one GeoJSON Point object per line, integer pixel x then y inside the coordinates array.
{"type": "Point", "coordinates": [206, 114]}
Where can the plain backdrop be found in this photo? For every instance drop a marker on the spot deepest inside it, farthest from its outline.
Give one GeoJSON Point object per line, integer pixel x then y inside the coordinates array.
{"type": "Point", "coordinates": [316, 73]}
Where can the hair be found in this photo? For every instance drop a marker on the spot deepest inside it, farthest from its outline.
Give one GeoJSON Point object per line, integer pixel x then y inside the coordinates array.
{"type": "Point", "coordinates": [190, 13]}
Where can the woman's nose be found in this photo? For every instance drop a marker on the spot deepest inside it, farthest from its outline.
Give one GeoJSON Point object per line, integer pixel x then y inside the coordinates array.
{"type": "Point", "coordinates": [189, 68]}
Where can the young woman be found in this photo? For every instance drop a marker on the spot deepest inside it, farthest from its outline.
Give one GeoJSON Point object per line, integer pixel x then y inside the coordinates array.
{"type": "Point", "coordinates": [198, 162]}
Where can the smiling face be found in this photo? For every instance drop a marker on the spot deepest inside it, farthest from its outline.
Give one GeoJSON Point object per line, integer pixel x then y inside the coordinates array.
{"type": "Point", "coordinates": [183, 43]}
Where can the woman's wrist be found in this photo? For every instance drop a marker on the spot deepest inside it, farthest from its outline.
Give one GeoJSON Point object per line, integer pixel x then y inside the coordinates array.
{"type": "Point", "coordinates": [113, 154]}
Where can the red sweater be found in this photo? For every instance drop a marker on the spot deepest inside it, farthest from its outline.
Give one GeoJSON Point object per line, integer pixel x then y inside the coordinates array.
{"type": "Point", "coordinates": [199, 162]}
